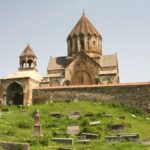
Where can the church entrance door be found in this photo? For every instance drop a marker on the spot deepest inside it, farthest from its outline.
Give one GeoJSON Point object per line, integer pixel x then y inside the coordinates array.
{"type": "Point", "coordinates": [14, 94]}
{"type": "Point", "coordinates": [81, 78]}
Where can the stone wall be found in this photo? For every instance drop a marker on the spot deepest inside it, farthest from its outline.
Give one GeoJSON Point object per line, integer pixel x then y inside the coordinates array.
{"type": "Point", "coordinates": [133, 94]}
{"type": "Point", "coordinates": [14, 146]}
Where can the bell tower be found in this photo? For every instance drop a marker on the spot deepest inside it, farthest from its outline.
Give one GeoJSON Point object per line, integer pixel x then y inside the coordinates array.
{"type": "Point", "coordinates": [28, 59]}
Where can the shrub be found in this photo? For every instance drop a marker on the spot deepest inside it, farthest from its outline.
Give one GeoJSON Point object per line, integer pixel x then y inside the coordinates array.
{"type": "Point", "coordinates": [24, 125]}
{"type": "Point", "coordinates": [44, 141]}
{"type": "Point", "coordinates": [84, 122]}
{"type": "Point", "coordinates": [89, 129]}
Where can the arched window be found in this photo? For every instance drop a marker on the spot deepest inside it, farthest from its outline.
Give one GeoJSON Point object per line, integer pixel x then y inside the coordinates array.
{"type": "Point", "coordinates": [22, 64]}
{"type": "Point", "coordinates": [88, 42]}
{"type": "Point", "coordinates": [30, 63]}
{"type": "Point", "coordinates": [82, 41]}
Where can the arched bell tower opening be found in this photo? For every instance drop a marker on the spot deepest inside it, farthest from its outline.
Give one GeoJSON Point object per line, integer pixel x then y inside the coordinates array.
{"type": "Point", "coordinates": [14, 94]}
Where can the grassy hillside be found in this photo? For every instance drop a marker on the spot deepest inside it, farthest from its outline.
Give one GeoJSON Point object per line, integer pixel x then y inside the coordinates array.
{"type": "Point", "coordinates": [18, 126]}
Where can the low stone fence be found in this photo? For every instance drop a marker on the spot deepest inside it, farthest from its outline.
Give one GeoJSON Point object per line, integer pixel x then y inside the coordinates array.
{"type": "Point", "coordinates": [132, 94]}
{"type": "Point", "coordinates": [14, 146]}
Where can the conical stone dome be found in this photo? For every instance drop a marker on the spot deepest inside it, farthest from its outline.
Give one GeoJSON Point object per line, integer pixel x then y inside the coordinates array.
{"type": "Point", "coordinates": [85, 27]}
{"type": "Point", "coordinates": [28, 52]}
{"type": "Point", "coordinates": [84, 37]}
{"type": "Point", "coordinates": [28, 59]}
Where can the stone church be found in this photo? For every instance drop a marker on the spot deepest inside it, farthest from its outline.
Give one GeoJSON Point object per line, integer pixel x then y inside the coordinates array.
{"type": "Point", "coordinates": [16, 88]}
{"type": "Point", "coordinates": [85, 64]}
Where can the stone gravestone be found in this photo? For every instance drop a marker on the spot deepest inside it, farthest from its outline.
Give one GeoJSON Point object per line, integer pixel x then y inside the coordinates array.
{"type": "Point", "coordinates": [116, 126]}
{"type": "Point", "coordinates": [129, 136]}
{"type": "Point", "coordinates": [91, 136]}
{"type": "Point", "coordinates": [5, 110]}
{"type": "Point", "coordinates": [63, 140]}
{"type": "Point", "coordinates": [103, 114]}
{"type": "Point", "coordinates": [73, 129]}
{"type": "Point", "coordinates": [122, 117]}
{"type": "Point", "coordinates": [74, 115]}
{"type": "Point", "coordinates": [112, 138]}
{"type": "Point", "coordinates": [89, 114]}
{"type": "Point", "coordinates": [93, 123]}
{"type": "Point", "coordinates": [37, 125]}
{"type": "Point", "coordinates": [22, 110]}
{"type": "Point", "coordinates": [83, 141]}
{"type": "Point", "coordinates": [58, 148]}
{"type": "Point", "coordinates": [133, 137]}
{"type": "Point", "coordinates": [56, 115]}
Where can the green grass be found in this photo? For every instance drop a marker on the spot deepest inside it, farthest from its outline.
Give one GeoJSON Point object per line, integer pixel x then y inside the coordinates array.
{"type": "Point", "coordinates": [18, 127]}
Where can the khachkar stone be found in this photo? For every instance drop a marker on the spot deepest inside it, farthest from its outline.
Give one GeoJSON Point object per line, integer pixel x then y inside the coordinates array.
{"type": "Point", "coordinates": [37, 125]}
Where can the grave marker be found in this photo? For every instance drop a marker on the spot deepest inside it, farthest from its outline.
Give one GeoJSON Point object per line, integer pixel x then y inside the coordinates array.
{"type": "Point", "coordinates": [63, 140]}
{"type": "Point", "coordinates": [73, 129]}
{"type": "Point", "coordinates": [37, 125]}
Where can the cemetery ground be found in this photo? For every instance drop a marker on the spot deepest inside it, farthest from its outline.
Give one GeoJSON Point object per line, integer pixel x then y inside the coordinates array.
{"type": "Point", "coordinates": [96, 118]}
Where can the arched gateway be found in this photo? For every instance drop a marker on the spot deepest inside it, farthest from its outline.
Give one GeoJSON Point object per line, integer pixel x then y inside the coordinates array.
{"type": "Point", "coordinates": [14, 94]}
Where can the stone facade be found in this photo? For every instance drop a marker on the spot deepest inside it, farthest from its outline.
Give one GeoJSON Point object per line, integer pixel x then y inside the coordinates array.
{"type": "Point", "coordinates": [133, 94]}
{"type": "Point", "coordinates": [85, 63]}
{"type": "Point", "coordinates": [14, 146]}
{"type": "Point", "coordinates": [16, 88]}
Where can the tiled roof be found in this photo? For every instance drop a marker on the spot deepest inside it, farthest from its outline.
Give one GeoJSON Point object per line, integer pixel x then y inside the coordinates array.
{"type": "Point", "coordinates": [56, 63]}
{"type": "Point", "coordinates": [28, 52]}
{"type": "Point", "coordinates": [108, 60]}
{"type": "Point", "coordinates": [85, 27]}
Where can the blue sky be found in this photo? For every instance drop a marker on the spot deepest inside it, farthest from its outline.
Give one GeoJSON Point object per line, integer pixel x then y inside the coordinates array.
{"type": "Point", "coordinates": [45, 24]}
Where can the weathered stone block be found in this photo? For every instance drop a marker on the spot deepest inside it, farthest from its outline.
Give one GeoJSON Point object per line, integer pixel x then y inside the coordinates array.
{"type": "Point", "coordinates": [63, 140]}
{"type": "Point", "coordinates": [91, 136]}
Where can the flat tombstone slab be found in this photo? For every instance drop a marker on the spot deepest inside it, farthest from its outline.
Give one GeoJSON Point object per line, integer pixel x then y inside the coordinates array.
{"type": "Point", "coordinates": [122, 117]}
{"type": "Point", "coordinates": [133, 116]}
{"type": "Point", "coordinates": [58, 148]}
{"type": "Point", "coordinates": [23, 111]}
{"type": "Point", "coordinates": [105, 115]}
{"type": "Point", "coordinates": [112, 138]}
{"type": "Point", "coordinates": [56, 114]}
{"type": "Point", "coordinates": [84, 141]}
{"type": "Point", "coordinates": [73, 129]}
{"type": "Point", "coordinates": [89, 114]}
{"type": "Point", "coordinates": [116, 126]}
{"type": "Point", "coordinates": [94, 123]}
{"type": "Point", "coordinates": [91, 136]}
{"type": "Point", "coordinates": [133, 137]}
{"type": "Point", "coordinates": [63, 140]}
{"type": "Point", "coordinates": [129, 136]}
{"type": "Point", "coordinates": [14, 146]}
{"type": "Point", "coordinates": [5, 110]}
{"type": "Point", "coordinates": [74, 115]}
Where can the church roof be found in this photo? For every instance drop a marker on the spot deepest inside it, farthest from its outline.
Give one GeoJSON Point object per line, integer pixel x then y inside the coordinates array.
{"type": "Point", "coordinates": [28, 52]}
{"type": "Point", "coordinates": [109, 60]}
{"type": "Point", "coordinates": [85, 27]}
{"type": "Point", "coordinates": [33, 74]}
{"type": "Point", "coordinates": [56, 63]}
